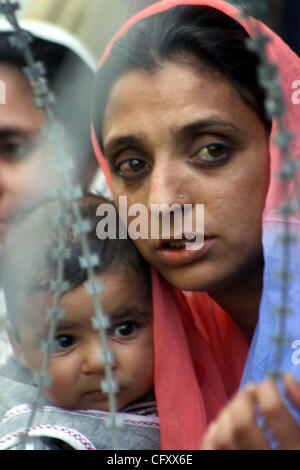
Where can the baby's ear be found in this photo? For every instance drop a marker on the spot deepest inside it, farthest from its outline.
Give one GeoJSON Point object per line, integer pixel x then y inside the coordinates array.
{"type": "Point", "coordinates": [14, 340]}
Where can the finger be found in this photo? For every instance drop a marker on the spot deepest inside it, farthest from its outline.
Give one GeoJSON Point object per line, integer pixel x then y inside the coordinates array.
{"type": "Point", "coordinates": [236, 427]}
{"type": "Point", "coordinates": [278, 418]}
{"type": "Point", "coordinates": [218, 438]}
{"type": "Point", "coordinates": [292, 388]}
{"type": "Point", "coordinates": [208, 441]}
{"type": "Point", "coordinates": [247, 434]}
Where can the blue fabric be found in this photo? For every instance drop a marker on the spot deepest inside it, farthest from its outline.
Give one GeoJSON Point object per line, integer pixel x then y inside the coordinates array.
{"type": "Point", "coordinates": [262, 354]}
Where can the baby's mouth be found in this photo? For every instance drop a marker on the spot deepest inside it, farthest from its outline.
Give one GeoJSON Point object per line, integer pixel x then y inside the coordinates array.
{"type": "Point", "coordinates": [96, 395]}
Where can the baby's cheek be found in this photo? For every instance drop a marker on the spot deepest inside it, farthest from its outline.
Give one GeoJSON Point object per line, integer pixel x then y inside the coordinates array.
{"type": "Point", "coordinates": [61, 389]}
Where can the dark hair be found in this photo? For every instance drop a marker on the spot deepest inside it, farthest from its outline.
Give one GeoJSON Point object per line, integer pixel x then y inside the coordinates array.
{"type": "Point", "coordinates": [195, 35]}
{"type": "Point", "coordinates": [53, 55]}
{"type": "Point", "coordinates": [70, 78]}
{"type": "Point", "coordinates": [28, 264]}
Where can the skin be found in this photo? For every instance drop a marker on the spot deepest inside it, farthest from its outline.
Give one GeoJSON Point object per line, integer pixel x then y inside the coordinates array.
{"type": "Point", "coordinates": [157, 154]}
{"type": "Point", "coordinates": [25, 177]}
{"type": "Point", "coordinates": [236, 427]}
{"type": "Point", "coordinates": [157, 134]}
{"type": "Point", "coordinates": [75, 366]}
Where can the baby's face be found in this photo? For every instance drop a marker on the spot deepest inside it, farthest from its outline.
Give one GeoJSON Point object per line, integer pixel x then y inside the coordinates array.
{"type": "Point", "coordinates": [75, 366]}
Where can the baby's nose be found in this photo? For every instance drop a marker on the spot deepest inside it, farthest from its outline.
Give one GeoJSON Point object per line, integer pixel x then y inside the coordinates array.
{"type": "Point", "coordinates": [94, 358]}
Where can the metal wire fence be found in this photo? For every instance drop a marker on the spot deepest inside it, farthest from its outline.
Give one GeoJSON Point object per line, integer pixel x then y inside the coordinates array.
{"type": "Point", "coordinates": [44, 99]}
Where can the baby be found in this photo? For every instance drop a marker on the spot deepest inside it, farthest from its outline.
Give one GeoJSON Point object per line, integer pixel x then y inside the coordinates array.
{"type": "Point", "coordinates": [75, 367]}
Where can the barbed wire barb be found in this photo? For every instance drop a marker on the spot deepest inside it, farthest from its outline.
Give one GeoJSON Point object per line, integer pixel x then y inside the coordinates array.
{"type": "Point", "coordinates": [268, 77]}
{"type": "Point", "coordinates": [65, 193]}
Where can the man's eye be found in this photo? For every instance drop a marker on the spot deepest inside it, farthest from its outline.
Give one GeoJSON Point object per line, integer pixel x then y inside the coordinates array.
{"type": "Point", "coordinates": [212, 153]}
{"type": "Point", "coordinates": [125, 329]}
{"type": "Point", "coordinates": [14, 151]}
{"type": "Point", "coordinates": [132, 168]}
{"type": "Point", "coordinates": [63, 342]}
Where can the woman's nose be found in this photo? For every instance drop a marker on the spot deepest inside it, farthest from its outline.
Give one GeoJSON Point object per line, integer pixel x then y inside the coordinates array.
{"type": "Point", "coordinates": [168, 186]}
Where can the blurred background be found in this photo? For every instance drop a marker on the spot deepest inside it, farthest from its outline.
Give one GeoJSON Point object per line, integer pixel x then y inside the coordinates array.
{"type": "Point", "coordinates": [94, 21]}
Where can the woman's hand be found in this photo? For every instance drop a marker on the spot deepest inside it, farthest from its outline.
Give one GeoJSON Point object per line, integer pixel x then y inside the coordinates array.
{"type": "Point", "coordinates": [236, 427]}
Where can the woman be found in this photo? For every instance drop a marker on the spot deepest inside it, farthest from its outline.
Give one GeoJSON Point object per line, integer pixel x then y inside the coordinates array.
{"type": "Point", "coordinates": [178, 118]}
{"type": "Point", "coordinates": [26, 176]}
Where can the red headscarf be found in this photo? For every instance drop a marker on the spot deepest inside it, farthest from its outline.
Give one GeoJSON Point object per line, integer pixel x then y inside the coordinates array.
{"type": "Point", "coordinates": [199, 351]}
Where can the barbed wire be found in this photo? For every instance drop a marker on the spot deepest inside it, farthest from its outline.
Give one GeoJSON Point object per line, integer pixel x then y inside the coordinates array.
{"type": "Point", "coordinates": [275, 107]}
{"type": "Point", "coordinates": [44, 99]}
{"type": "Point", "coordinates": [65, 192]}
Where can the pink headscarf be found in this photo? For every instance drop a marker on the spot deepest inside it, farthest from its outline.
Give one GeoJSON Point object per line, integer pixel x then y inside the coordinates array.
{"type": "Point", "coordinates": [200, 353]}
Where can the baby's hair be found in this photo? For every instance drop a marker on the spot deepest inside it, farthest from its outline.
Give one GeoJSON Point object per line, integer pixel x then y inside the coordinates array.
{"type": "Point", "coordinates": [29, 264]}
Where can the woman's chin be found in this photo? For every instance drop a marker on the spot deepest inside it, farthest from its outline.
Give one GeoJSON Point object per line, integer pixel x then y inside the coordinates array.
{"type": "Point", "coordinates": [200, 277]}
{"type": "Point", "coordinates": [186, 279]}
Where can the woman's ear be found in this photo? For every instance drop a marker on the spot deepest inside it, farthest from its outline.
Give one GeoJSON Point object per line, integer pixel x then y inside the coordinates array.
{"type": "Point", "coordinates": [14, 340]}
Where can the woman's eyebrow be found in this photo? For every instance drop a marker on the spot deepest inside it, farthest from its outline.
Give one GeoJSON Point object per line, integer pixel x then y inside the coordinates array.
{"type": "Point", "coordinates": [199, 124]}
{"type": "Point", "coordinates": [207, 123]}
{"type": "Point", "coordinates": [124, 140]}
{"type": "Point", "coordinates": [115, 143]}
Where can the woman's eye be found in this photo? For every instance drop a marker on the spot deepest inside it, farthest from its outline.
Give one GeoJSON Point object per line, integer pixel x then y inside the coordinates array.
{"type": "Point", "coordinates": [63, 342]}
{"type": "Point", "coordinates": [212, 153]}
{"type": "Point", "coordinates": [132, 168]}
{"type": "Point", "coordinates": [125, 329]}
{"type": "Point", "coordinates": [14, 151]}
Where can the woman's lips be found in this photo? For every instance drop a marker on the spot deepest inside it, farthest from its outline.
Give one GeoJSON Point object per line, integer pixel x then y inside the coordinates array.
{"type": "Point", "coordinates": [179, 257]}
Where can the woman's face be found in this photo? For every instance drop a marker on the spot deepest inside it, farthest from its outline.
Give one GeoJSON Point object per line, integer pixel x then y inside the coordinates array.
{"type": "Point", "coordinates": [180, 136]}
{"type": "Point", "coordinates": [25, 174]}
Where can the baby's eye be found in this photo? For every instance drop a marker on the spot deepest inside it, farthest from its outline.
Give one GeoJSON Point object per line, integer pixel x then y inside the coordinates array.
{"type": "Point", "coordinates": [129, 169]}
{"type": "Point", "coordinates": [63, 342]}
{"type": "Point", "coordinates": [125, 329]}
{"type": "Point", "coordinates": [212, 153]}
